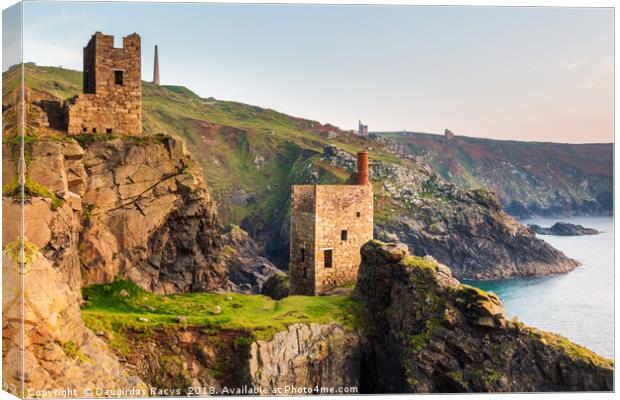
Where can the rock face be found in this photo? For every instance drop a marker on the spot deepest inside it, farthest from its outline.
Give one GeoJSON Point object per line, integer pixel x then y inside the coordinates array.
{"type": "Point", "coordinates": [93, 211]}
{"type": "Point", "coordinates": [144, 213]}
{"type": "Point", "coordinates": [307, 356]}
{"type": "Point", "coordinates": [426, 332]}
{"type": "Point", "coordinates": [59, 351]}
{"type": "Point", "coordinates": [188, 360]}
{"type": "Point", "coordinates": [248, 270]}
{"type": "Point", "coordinates": [563, 229]}
{"type": "Point", "coordinates": [469, 231]}
{"type": "Point", "coordinates": [529, 178]}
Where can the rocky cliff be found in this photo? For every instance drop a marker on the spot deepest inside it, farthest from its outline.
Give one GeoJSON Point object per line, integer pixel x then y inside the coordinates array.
{"type": "Point", "coordinates": [307, 356]}
{"type": "Point", "coordinates": [465, 229]}
{"type": "Point", "coordinates": [251, 156]}
{"type": "Point", "coordinates": [41, 295]}
{"type": "Point", "coordinates": [530, 178]}
{"type": "Point", "coordinates": [95, 210]}
{"type": "Point", "coordinates": [426, 332]}
{"type": "Point", "coordinates": [59, 352]}
{"type": "Point", "coordinates": [191, 361]}
{"type": "Point", "coordinates": [470, 231]}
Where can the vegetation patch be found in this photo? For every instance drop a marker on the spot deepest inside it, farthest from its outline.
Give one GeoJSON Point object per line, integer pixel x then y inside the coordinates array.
{"type": "Point", "coordinates": [31, 189]}
{"type": "Point", "coordinates": [87, 139]}
{"type": "Point", "coordinates": [423, 271]}
{"type": "Point", "coordinates": [572, 350]}
{"type": "Point", "coordinates": [14, 250]}
{"type": "Point", "coordinates": [71, 350]}
{"type": "Point", "coordinates": [121, 307]}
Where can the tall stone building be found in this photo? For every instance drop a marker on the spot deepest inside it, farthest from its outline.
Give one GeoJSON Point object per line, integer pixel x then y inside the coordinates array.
{"type": "Point", "coordinates": [362, 129]}
{"type": "Point", "coordinates": [111, 101]}
{"type": "Point", "coordinates": [329, 224]}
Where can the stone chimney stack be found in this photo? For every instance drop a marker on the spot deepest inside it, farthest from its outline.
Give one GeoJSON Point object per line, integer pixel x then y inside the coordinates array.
{"type": "Point", "coordinates": [156, 68]}
{"type": "Point", "coordinates": [362, 168]}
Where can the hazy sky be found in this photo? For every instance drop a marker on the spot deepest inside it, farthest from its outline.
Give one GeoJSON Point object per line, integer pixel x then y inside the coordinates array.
{"type": "Point", "coordinates": [510, 73]}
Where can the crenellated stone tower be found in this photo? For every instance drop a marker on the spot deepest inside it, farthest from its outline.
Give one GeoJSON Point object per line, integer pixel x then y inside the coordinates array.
{"type": "Point", "coordinates": [329, 225]}
{"type": "Point", "coordinates": [111, 101]}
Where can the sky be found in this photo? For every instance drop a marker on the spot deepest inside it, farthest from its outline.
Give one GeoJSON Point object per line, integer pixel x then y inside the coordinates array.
{"type": "Point", "coordinates": [537, 73]}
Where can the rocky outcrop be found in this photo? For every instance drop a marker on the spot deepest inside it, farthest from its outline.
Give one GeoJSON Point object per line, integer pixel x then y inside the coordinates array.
{"type": "Point", "coordinates": [189, 361]}
{"type": "Point", "coordinates": [426, 332]}
{"type": "Point", "coordinates": [150, 217]}
{"type": "Point", "coordinates": [276, 287]}
{"type": "Point", "coordinates": [563, 229]}
{"type": "Point", "coordinates": [58, 350]}
{"type": "Point", "coordinates": [307, 356]}
{"type": "Point", "coordinates": [194, 361]}
{"type": "Point", "coordinates": [130, 206]}
{"type": "Point", "coordinates": [469, 231]}
{"type": "Point", "coordinates": [248, 270]}
{"type": "Point", "coordinates": [143, 212]}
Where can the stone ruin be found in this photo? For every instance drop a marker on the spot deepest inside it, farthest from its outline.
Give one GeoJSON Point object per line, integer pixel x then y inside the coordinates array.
{"type": "Point", "coordinates": [362, 129]}
{"type": "Point", "coordinates": [111, 101]}
{"type": "Point", "coordinates": [329, 225]}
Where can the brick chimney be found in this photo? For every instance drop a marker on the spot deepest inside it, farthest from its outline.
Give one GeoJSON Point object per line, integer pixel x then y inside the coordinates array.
{"type": "Point", "coordinates": [156, 68]}
{"type": "Point", "coordinates": [362, 168]}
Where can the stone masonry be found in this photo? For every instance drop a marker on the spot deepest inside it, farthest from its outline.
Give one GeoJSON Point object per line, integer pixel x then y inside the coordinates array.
{"type": "Point", "coordinates": [111, 101]}
{"type": "Point", "coordinates": [329, 225]}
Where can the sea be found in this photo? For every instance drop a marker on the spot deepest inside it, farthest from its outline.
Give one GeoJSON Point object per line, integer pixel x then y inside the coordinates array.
{"type": "Point", "coordinates": [578, 305]}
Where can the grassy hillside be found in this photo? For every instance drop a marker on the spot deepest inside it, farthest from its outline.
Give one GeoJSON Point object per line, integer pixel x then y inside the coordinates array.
{"type": "Point", "coordinates": [251, 156]}
{"type": "Point", "coordinates": [535, 174]}
{"type": "Point", "coordinates": [245, 151]}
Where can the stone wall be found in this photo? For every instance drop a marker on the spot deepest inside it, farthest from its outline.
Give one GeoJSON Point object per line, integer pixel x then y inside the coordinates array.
{"type": "Point", "coordinates": [112, 98]}
{"type": "Point", "coordinates": [335, 208]}
{"type": "Point", "coordinates": [303, 224]}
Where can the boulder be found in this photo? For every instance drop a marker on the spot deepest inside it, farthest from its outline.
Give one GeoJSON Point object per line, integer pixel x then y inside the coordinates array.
{"type": "Point", "coordinates": [276, 287]}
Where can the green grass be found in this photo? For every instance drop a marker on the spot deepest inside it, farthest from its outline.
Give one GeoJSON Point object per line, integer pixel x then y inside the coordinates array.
{"type": "Point", "coordinates": [420, 262]}
{"type": "Point", "coordinates": [107, 310]}
{"type": "Point", "coordinates": [572, 350]}
{"type": "Point", "coordinates": [31, 189]}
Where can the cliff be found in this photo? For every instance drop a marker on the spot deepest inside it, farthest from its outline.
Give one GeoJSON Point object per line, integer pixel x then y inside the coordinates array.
{"type": "Point", "coordinates": [227, 342]}
{"type": "Point", "coordinates": [96, 209]}
{"type": "Point", "coordinates": [530, 178]}
{"type": "Point", "coordinates": [469, 231]}
{"type": "Point", "coordinates": [250, 157]}
{"type": "Point", "coordinates": [426, 332]}
{"type": "Point", "coordinates": [130, 279]}
{"type": "Point", "coordinates": [413, 328]}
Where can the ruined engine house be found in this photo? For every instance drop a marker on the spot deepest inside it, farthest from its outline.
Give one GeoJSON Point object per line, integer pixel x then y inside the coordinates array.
{"type": "Point", "coordinates": [329, 225]}
{"type": "Point", "coordinates": [111, 101]}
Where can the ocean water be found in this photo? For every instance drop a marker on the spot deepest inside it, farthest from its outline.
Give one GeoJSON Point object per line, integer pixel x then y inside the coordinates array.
{"type": "Point", "coordinates": [579, 304]}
